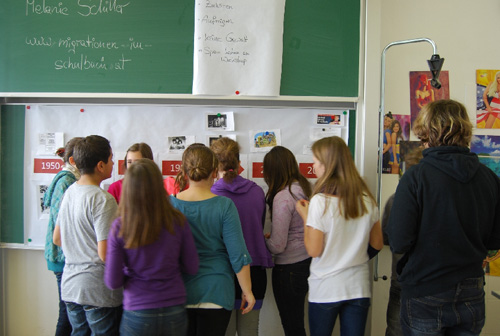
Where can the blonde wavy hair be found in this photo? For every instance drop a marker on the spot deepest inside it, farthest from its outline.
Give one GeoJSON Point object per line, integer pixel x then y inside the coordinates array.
{"type": "Point", "coordinates": [443, 123]}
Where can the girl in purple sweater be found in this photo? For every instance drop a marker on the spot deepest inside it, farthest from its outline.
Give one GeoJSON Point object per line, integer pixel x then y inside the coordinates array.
{"type": "Point", "coordinates": [150, 245]}
{"type": "Point", "coordinates": [286, 241]}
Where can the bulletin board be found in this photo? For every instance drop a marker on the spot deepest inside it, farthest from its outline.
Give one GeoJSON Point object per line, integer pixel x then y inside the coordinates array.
{"type": "Point", "coordinates": [22, 217]}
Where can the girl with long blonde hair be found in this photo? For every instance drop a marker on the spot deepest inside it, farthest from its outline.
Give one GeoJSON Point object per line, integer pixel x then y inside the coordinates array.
{"type": "Point", "coordinates": [342, 232]}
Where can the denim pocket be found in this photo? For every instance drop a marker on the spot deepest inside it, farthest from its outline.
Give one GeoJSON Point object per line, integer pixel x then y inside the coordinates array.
{"type": "Point", "coordinates": [423, 314]}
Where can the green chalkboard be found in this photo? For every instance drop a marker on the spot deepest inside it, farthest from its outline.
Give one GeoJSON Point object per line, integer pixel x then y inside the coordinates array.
{"type": "Point", "coordinates": [146, 46]}
{"type": "Point", "coordinates": [11, 169]}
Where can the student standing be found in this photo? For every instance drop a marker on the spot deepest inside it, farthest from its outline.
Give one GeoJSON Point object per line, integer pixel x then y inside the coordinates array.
{"type": "Point", "coordinates": [394, 304]}
{"type": "Point", "coordinates": [342, 232]}
{"type": "Point", "coordinates": [444, 219]}
{"type": "Point", "coordinates": [216, 229]}
{"type": "Point", "coordinates": [135, 152]}
{"type": "Point", "coordinates": [250, 201]}
{"type": "Point", "coordinates": [82, 229]}
{"type": "Point", "coordinates": [53, 253]}
{"type": "Point", "coordinates": [286, 240]}
{"type": "Point", "coordinates": [150, 244]}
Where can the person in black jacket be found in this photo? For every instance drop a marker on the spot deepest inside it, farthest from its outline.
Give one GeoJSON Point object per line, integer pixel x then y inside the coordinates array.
{"type": "Point", "coordinates": [445, 217]}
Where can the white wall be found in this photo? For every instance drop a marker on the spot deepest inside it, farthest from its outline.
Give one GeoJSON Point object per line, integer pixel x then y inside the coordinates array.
{"type": "Point", "coordinates": [464, 33]}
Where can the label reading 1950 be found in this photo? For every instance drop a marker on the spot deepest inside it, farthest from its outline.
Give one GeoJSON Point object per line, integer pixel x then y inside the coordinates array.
{"type": "Point", "coordinates": [48, 166]}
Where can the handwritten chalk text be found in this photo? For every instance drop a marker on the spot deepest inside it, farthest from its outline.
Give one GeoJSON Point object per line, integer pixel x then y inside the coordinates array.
{"type": "Point", "coordinates": [91, 7]}
{"type": "Point", "coordinates": [86, 63]}
{"type": "Point", "coordinates": [40, 7]}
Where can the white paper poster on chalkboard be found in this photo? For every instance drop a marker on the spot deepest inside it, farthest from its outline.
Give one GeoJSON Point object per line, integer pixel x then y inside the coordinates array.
{"type": "Point", "coordinates": [238, 47]}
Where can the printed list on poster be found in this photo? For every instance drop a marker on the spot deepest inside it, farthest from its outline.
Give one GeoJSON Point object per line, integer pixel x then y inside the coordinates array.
{"type": "Point", "coordinates": [238, 47]}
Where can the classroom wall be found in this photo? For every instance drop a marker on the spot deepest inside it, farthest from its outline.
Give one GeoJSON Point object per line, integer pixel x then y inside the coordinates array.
{"type": "Point", "coordinates": [464, 33]}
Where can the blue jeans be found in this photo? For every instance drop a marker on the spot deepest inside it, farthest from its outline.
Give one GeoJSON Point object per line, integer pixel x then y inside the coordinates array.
{"type": "Point", "coordinates": [393, 310]}
{"type": "Point", "coordinates": [456, 312]}
{"type": "Point", "coordinates": [353, 314]}
{"type": "Point", "coordinates": [95, 321]}
{"type": "Point", "coordinates": [155, 322]}
{"type": "Point", "coordinates": [63, 327]}
{"type": "Point", "coordinates": [290, 288]}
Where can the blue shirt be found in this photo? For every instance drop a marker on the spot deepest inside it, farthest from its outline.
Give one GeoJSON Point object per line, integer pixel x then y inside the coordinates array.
{"type": "Point", "coordinates": [218, 237]}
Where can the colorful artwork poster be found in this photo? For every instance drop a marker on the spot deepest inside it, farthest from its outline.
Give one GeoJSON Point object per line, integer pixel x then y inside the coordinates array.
{"type": "Point", "coordinates": [487, 99]}
{"type": "Point", "coordinates": [422, 93]}
{"type": "Point", "coordinates": [264, 140]}
{"type": "Point", "coordinates": [491, 264]}
{"type": "Point", "coordinates": [487, 148]}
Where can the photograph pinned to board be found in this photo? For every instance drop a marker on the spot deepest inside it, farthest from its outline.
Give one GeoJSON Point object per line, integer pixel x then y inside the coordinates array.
{"type": "Point", "coordinates": [221, 121]}
{"type": "Point", "coordinates": [49, 143]}
{"type": "Point", "coordinates": [317, 133]}
{"type": "Point", "coordinates": [487, 99]}
{"type": "Point", "coordinates": [264, 140]}
{"type": "Point", "coordinates": [43, 211]}
{"type": "Point", "coordinates": [487, 148]}
{"type": "Point", "coordinates": [179, 143]}
{"type": "Point", "coordinates": [422, 93]}
{"type": "Point", "coordinates": [331, 119]}
{"type": "Point", "coordinates": [213, 137]}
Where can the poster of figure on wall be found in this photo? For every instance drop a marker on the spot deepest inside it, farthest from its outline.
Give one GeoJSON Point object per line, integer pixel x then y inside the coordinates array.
{"type": "Point", "coordinates": [487, 99]}
{"type": "Point", "coordinates": [407, 147]}
{"type": "Point", "coordinates": [422, 93]}
{"type": "Point", "coordinates": [397, 129]}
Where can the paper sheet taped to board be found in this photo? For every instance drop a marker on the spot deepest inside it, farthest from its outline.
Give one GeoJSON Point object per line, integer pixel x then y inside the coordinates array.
{"type": "Point", "coordinates": [238, 47]}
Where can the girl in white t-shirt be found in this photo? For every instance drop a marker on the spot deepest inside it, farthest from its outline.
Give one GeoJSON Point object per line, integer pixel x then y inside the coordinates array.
{"type": "Point", "coordinates": [342, 233]}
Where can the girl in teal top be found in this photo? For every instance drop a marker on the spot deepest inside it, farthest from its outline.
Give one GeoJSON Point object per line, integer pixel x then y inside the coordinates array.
{"type": "Point", "coordinates": [218, 237]}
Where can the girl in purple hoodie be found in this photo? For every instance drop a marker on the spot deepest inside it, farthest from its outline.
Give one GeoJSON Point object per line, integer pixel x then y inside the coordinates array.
{"type": "Point", "coordinates": [250, 201]}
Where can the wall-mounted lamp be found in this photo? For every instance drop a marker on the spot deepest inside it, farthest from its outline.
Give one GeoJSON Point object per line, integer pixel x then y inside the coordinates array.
{"type": "Point", "coordinates": [435, 65]}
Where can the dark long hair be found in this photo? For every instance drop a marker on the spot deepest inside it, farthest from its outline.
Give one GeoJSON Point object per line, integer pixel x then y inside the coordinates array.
{"type": "Point", "coordinates": [280, 171]}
